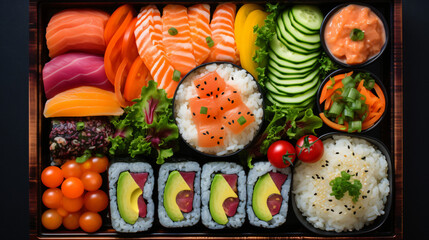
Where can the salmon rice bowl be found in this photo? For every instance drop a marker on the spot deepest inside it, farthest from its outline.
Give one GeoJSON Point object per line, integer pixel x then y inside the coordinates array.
{"type": "Point", "coordinates": [218, 108]}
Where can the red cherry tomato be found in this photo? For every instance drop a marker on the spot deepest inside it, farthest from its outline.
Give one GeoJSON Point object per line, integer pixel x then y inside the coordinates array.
{"type": "Point", "coordinates": [98, 164]}
{"type": "Point", "coordinates": [90, 221]}
{"type": "Point", "coordinates": [72, 187]}
{"type": "Point", "coordinates": [71, 221]}
{"type": "Point", "coordinates": [91, 180]}
{"type": "Point", "coordinates": [72, 204]}
{"type": "Point", "coordinates": [51, 219]}
{"type": "Point", "coordinates": [72, 169]}
{"type": "Point", "coordinates": [309, 149]}
{"type": "Point", "coordinates": [52, 177]}
{"type": "Point", "coordinates": [281, 154]}
{"type": "Point", "coordinates": [96, 201]}
{"type": "Point", "coordinates": [52, 198]}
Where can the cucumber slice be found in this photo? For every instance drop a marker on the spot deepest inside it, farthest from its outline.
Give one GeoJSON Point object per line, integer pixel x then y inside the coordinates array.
{"type": "Point", "coordinates": [300, 37]}
{"type": "Point", "coordinates": [280, 75]}
{"type": "Point", "coordinates": [295, 99]}
{"type": "Point", "coordinates": [283, 63]}
{"type": "Point", "coordinates": [288, 82]}
{"type": "Point", "coordinates": [291, 47]}
{"type": "Point", "coordinates": [308, 16]}
{"type": "Point", "coordinates": [284, 53]}
{"type": "Point", "coordinates": [286, 70]}
{"type": "Point", "coordinates": [299, 27]}
{"type": "Point", "coordinates": [292, 42]}
{"type": "Point", "coordinates": [306, 104]}
{"type": "Point", "coordinates": [272, 89]}
{"type": "Point", "coordinates": [296, 89]}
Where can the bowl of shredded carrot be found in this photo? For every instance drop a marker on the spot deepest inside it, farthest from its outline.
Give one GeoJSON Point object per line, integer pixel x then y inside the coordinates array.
{"type": "Point", "coordinates": [352, 100]}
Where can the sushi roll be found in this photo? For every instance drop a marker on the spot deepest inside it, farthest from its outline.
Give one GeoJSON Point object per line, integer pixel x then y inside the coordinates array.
{"type": "Point", "coordinates": [267, 195]}
{"type": "Point", "coordinates": [179, 194]}
{"type": "Point", "coordinates": [130, 189]}
{"type": "Point", "coordinates": [223, 188]}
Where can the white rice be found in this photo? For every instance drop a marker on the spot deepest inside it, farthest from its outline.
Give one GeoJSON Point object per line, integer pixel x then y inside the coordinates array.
{"type": "Point", "coordinates": [142, 224]}
{"type": "Point", "coordinates": [243, 82]}
{"type": "Point", "coordinates": [190, 218]}
{"type": "Point", "coordinates": [356, 156]}
{"type": "Point", "coordinates": [207, 175]}
{"type": "Point", "coordinates": [258, 170]}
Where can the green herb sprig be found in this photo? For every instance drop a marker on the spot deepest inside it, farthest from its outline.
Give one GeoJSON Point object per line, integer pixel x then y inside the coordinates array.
{"type": "Point", "coordinates": [357, 35]}
{"type": "Point", "coordinates": [341, 185]}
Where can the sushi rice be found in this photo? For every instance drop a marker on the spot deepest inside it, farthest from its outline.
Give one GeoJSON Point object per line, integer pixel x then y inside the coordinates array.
{"type": "Point", "coordinates": [142, 224]}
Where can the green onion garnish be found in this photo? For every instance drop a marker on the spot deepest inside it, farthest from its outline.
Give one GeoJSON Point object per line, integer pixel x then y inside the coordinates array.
{"type": "Point", "coordinates": [80, 126]}
{"type": "Point", "coordinates": [241, 120]}
{"type": "Point", "coordinates": [99, 155]}
{"type": "Point", "coordinates": [209, 41]}
{"type": "Point", "coordinates": [86, 155]}
{"type": "Point", "coordinates": [333, 83]}
{"type": "Point", "coordinates": [357, 34]}
{"type": "Point", "coordinates": [369, 84]}
{"type": "Point", "coordinates": [172, 31]}
{"type": "Point", "coordinates": [203, 110]}
{"type": "Point", "coordinates": [176, 75]}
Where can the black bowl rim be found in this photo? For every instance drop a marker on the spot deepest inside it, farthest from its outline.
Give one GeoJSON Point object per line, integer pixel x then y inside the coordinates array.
{"type": "Point", "coordinates": [379, 221]}
{"type": "Point", "coordinates": [371, 59]}
{"type": "Point", "coordinates": [260, 125]}
{"type": "Point", "coordinates": [344, 70]}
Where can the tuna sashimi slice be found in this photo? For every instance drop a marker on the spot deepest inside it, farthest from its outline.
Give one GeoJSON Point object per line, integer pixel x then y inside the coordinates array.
{"type": "Point", "coordinates": [230, 206]}
{"type": "Point", "coordinates": [274, 202]}
{"type": "Point", "coordinates": [231, 179]}
{"type": "Point", "coordinates": [185, 200]}
{"type": "Point", "coordinates": [278, 179]}
{"type": "Point", "coordinates": [189, 178]}
{"type": "Point", "coordinates": [140, 179]}
{"type": "Point", "coordinates": [142, 207]}
{"type": "Point", "coordinates": [73, 70]}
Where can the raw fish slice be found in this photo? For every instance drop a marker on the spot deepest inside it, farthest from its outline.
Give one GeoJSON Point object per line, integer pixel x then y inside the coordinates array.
{"type": "Point", "coordinates": [76, 30]}
{"type": "Point", "coordinates": [204, 110]}
{"type": "Point", "coordinates": [189, 178]}
{"type": "Point", "coordinates": [238, 118]}
{"type": "Point", "coordinates": [231, 179]}
{"type": "Point", "coordinates": [185, 200]}
{"type": "Point", "coordinates": [178, 48]}
{"type": "Point", "coordinates": [222, 26]}
{"type": "Point", "coordinates": [278, 179]}
{"type": "Point", "coordinates": [274, 202]}
{"type": "Point", "coordinates": [73, 70]}
{"type": "Point", "coordinates": [211, 135]}
{"type": "Point", "coordinates": [210, 85]}
{"type": "Point", "coordinates": [199, 23]}
{"type": "Point", "coordinates": [82, 102]}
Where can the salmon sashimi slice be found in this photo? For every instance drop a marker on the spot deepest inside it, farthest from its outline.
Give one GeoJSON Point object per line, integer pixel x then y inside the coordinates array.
{"type": "Point", "coordinates": [204, 110]}
{"type": "Point", "coordinates": [148, 34]}
{"type": "Point", "coordinates": [222, 27]}
{"type": "Point", "coordinates": [199, 23]}
{"type": "Point", "coordinates": [76, 30]}
{"type": "Point", "coordinates": [82, 102]}
{"type": "Point", "coordinates": [209, 85]}
{"type": "Point", "coordinates": [211, 135]}
{"type": "Point", "coordinates": [238, 118]}
{"type": "Point", "coordinates": [176, 38]}
{"type": "Point", "coordinates": [229, 99]}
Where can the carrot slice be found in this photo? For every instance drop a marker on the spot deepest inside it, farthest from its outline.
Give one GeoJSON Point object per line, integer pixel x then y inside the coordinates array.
{"type": "Point", "coordinates": [325, 91]}
{"type": "Point", "coordinates": [115, 21]}
{"type": "Point", "coordinates": [136, 79]}
{"type": "Point", "coordinates": [328, 103]}
{"type": "Point", "coordinates": [372, 121]}
{"type": "Point", "coordinates": [121, 76]}
{"type": "Point", "coordinates": [129, 47]}
{"type": "Point", "coordinates": [380, 94]}
{"type": "Point", "coordinates": [333, 125]}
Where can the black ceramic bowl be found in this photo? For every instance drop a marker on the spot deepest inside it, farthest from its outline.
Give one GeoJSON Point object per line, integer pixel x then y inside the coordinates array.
{"type": "Point", "coordinates": [335, 59]}
{"type": "Point", "coordinates": [320, 107]}
{"type": "Point", "coordinates": [378, 222]}
{"type": "Point", "coordinates": [259, 127]}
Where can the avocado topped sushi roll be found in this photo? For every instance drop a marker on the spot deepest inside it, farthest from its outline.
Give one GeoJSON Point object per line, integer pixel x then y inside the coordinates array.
{"type": "Point", "coordinates": [268, 194]}
{"type": "Point", "coordinates": [223, 195]}
{"type": "Point", "coordinates": [179, 194]}
{"type": "Point", "coordinates": [130, 188]}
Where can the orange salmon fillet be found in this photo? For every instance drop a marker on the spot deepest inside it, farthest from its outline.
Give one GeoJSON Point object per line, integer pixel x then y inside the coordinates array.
{"type": "Point", "coordinates": [199, 23]}
{"type": "Point", "coordinates": [76, 30]}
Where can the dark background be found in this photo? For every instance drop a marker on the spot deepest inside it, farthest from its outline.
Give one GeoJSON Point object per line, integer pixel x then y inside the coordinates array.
{"type": "Point", "coordinates": [14, 62]}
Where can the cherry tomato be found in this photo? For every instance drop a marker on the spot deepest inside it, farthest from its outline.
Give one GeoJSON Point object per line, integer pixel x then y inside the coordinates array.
{"type": "Point", "coordinates": [91, 180]}
{"type": "Point", "coordinates": [51, 219]}
{"type": "Point", "coordinates": [72, 187]}
{"type": "Point", "coordinates": [309, 149]}
{"type": "Point", "coordinates": [72, 169]}
{"type": "Point", "coordinates": [281, 154]}
{"type": "Point", "coordinates": [52, 198]}
{"type": "Point", "coordinates": [62, 212]}
{"type": "Point", "coordinates": [86, 166]}
{"type": "Point", "coordinates": [96, 201]}
{"type": "Point", "coordinates": [72, 204]}
{"type": "Point", "coordinates": [98, 164]}
{"type": "Point", "coordinates": [52, 177]}
{"type": "Point", "coordinates": [71, 221]}
{"type": "Point", "coordinates": [90, 221]}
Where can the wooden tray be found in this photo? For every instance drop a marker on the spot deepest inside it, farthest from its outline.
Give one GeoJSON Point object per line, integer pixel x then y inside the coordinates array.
{"type": "Point", "coordinates": [390, 131]}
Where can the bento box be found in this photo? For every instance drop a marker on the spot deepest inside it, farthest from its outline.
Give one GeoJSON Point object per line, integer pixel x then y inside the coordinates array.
{"type": "Point", "coordinates": [389, 131]}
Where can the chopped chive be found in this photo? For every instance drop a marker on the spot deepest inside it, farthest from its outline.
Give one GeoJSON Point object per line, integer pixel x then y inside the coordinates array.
{"type": "Point", "coordinates": [241, 120]}
{"type": "Point", "coordinates": [80, 126]}
{"type": "Point", "coordinates": [172, 31]}
{"type": "Point", "coordinates": [209, 41]}
{"type": "Point", "coordinates": [203, 110]}
{"type": "Point", "coordinates": [176, 75]}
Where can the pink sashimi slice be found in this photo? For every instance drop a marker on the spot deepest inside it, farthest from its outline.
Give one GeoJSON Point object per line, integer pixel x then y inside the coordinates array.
{"type": "Point", "coordinates": [230, 206]}
{"type": "Point", "coordinates": [185, 200]}
{"type": "Point", "coordinates": [189, 178]}
{"type": "Point", "coordinates": [274, 203]}
{"type": "Point", "coordinates": [73, 70]}
{"type": "Point", "coordinates": [140, 179]}
{"type": "Point", "coordinates": [232, 180]}
{"type": "Point", "coordinates": [278, 179]}
{"type": "Point", "coordinates": [142, 207]}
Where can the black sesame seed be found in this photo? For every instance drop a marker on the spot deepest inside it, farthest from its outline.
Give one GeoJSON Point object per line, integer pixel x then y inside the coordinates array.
{"type": "Point", "coordinates": [340, 212]}
{"type": "Point", "coordinates": [317, 175]}
{"type": "Point", "coordinates": [363, 158]}
{"type": "Point", "coordinates": [356, 174]}
{"type": "Point", "coordinates": [366, 170]}
{"type": "Point", "coordinates": [214, 118]}
{"type": "Point", "coordinates": [353, 153]}
{"type": "Point", "coordinates": [330, 200]}
{"type": "Point", "coordinates": [217, 96]}
{"type": "Point", "coordinates": [248, 113]}
{"type": "Point", "coordinates": [353, 206]}
{"type": "Point", "coordinates": [312, 177]}
{"type": "Point", "coordinates": [205, 83]}
{"type": "Point", "coordinates": [323, 178]}
{"type": "Point", "coordinates": [215, 78]}
{"type": "Point", "coordinates": [337, 153]}
{"type": "Point", "coordinates": [234, 91]}
{"type": "Point", "coordinates": [198, 97]}
{"type": "Point", "coordinates": [368, 191]}
{"type": "Point", "coordinates": [221, 128]}
{"type": "Point", "coordinates": [202, 88]}
{"type": "Point", "coordinates": [222, 93]}
{"type": "Point", "coordinates": [314, 205]}
{"type": "Point", "coordinates": [332, 210]}
{"type": "Point", "coordinates": [360, 207]}
{"type": "Point", "coordinates": [349, 209]}
{"type": "Point", "coordinates": [208, 95]}
{"type": "Point", "coordinates": [221, 108]}
{"type": "Point", "coordinates": [229, 100]}
{"type": "Point", "coordinates": [339, 165]}
{"type": "Point", "coordinates": [218, 142]}
{"type": "Point", "coordinates": [232, 78]}
{"type": "Point", "coordinates": [218, 89]}
{"type": "Point", "coordinates": [204, 133]}
{"type": "Point", "coordinates": [193, 113]}
{"type": "Point", "coordinates": [348, 146]}
{"type": "Point", "coordinates": [327, 164]}
{"type": "Point", "coordinates": [212, 137]}
{"type": "Point", "coordinates": [232, 121]}
{"type": "Point", "coordinates": [354, 213]}
{"type": "Point", "coordinates": [315, 194]}
{"type": "Point", "coordinates": [220, 137]}
{"type": "Point", "coordinates": [327, 209]}
{"type": "Point", "coordinates": [229, 123]}
{"type": "Point", "coordinates": [239, 113]}
{"type": "Point", "coordinates": [211, 93]}
{"type": "Point", "coordinates": [207, 132]}
{"type": "Point", "coordinates": [327, 161]}
{"type": "Point", "coordinates": [224, 117]}
{"type": "Point", "coordinates": [208, 116]}
{"type": "Point", "coordinates": [252, 115]}
{"type": "Point", "coordinates": [232, 101]}
{"type": "Point", "coordinates": [345, 206]}
{"type": "Point", "coordinates": [348, 171]}
{"type": "Point", "coordinates": [323, 165]}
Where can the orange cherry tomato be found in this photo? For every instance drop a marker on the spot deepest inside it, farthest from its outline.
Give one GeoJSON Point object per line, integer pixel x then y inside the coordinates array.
{"type": "Point", "coordinates": [90, 221]}
{"type": "Point", "coordinates": [98, 164]}
{"type": "Point", "coordinates": [52, 198]}
{"type": "Point", "coordinates": [72, 204]}
{"type": "Point", "coordinates": [115, 21]}
{"type": "Point", "coordinates": [86, 166]}
{"type": "Point", "coordinates": [62, 212]}
{"type": "Point", "coordinates": [72, 187]}
{"type": "Point", "coordinates": [71, 221]}
{"type": "Point", "coordinates": [72, 169]}
{"type": "Point", "coordinates": [51, 219]}
{"type": "Point", "coordinates": [136, 79]}
{"type": "Point", "coordinates": [96, 201]}
{"type": "Point", "coordinates": [52, 177]}
{"type": "Point", "coordinates": [91, 180]}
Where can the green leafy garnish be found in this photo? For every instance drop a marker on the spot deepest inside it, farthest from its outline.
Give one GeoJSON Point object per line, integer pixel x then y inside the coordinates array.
{"type": "Point", "coordinates": [326, 65]}
{"type": "Point", "coordinates": [176, 75]}
{"type": "Point", "coordinates": [203, 110]}
{"type": "Point", "coordinates": [356, 34]}
{"type": "Point", "coordinates": [241, 120]}
{"type": "Point", "coordinates": [86, 155]}
{"type": "Point", "coordinates": [341, 185]}
{"type": "Point", "coordinates": [172, 31]}
{"type": "Point", "coordinates": [80, 126]}
{"type": "Point", "coordinates": [209, 41]}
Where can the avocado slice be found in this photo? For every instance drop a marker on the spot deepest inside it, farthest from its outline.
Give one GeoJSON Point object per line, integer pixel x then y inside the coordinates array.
{"type": "Point", "coordinates": [175, 184]}
{"type": "Point", "coordinates": [127, 194]}
{"type": "Point", "coordinates": [220, 191]}
{"type": "Point", "coordinates": [264, 187]}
